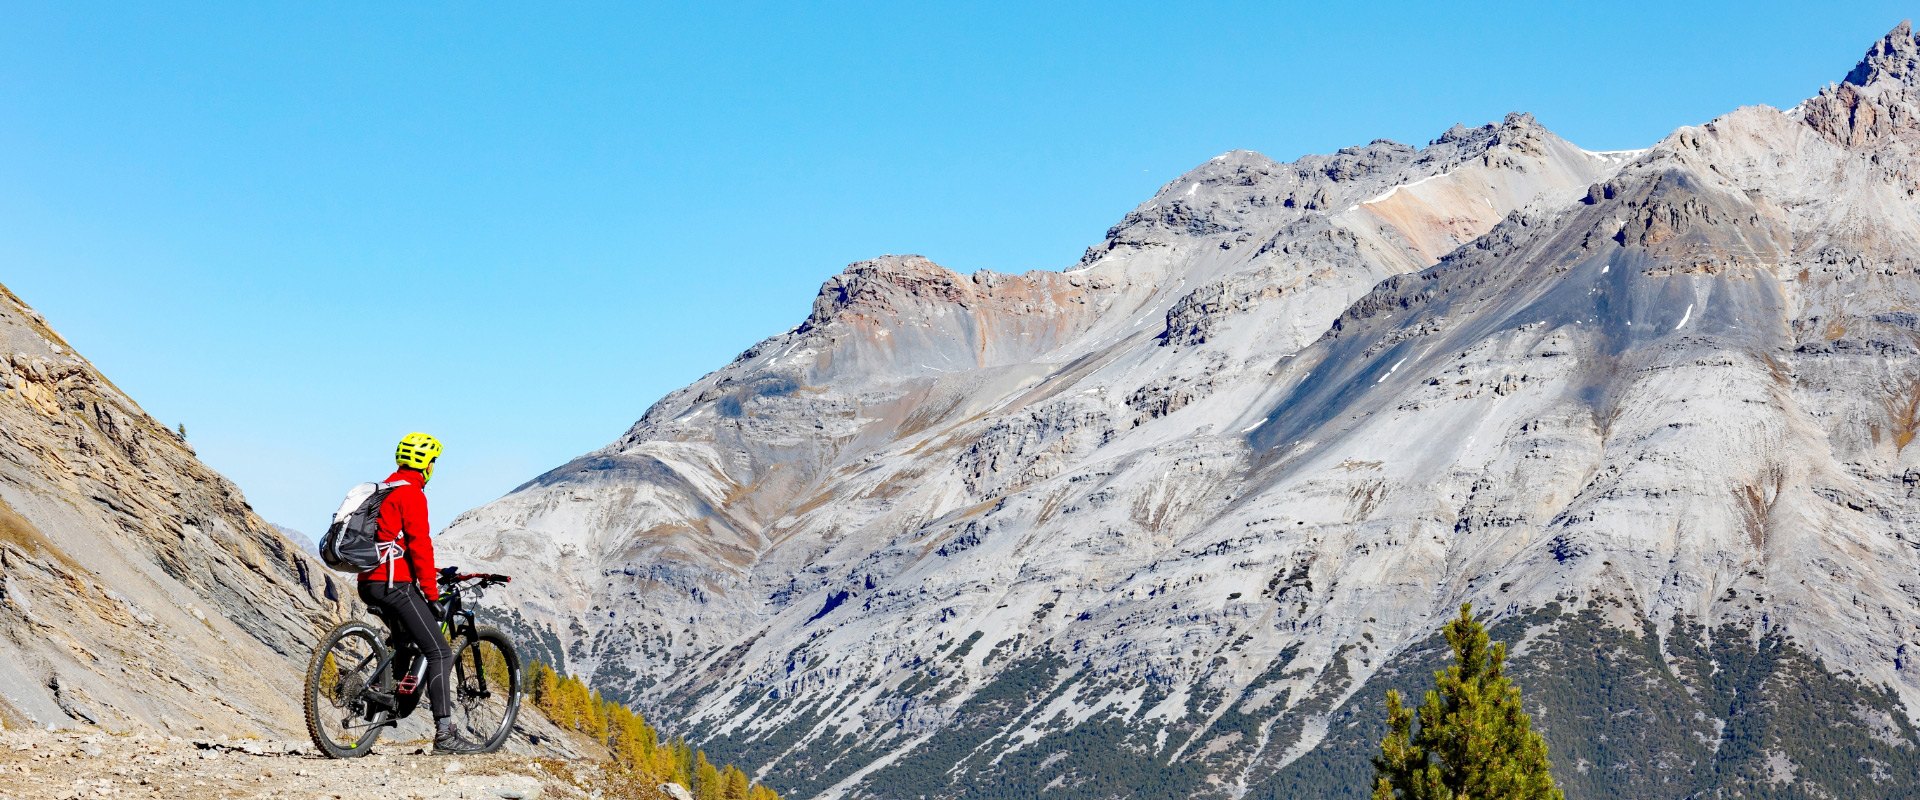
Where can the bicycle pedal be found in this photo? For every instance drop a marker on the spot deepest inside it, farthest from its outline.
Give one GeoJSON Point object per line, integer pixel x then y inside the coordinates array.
{"type": "Point", "coordinates": [408, 684]}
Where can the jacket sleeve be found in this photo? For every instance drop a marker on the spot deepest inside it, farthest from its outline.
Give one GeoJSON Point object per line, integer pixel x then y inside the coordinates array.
{"type": "Point", "coordinates": [420, 544]}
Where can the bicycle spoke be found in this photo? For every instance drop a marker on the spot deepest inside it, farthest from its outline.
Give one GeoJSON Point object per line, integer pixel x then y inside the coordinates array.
{"type": "Point", "coordinates": [345, 684]}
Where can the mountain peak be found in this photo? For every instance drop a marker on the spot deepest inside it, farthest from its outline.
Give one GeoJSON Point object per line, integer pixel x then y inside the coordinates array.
{"type": "Point", "coordinates": [888, 282]}
{"type": "Point", "coordinates": [1514, 123]}
{"type": "Point", "coordinates": [1521, 119]}
{"type": "Point", "coordinates": [1879, 102]}
{"type": "Point", "coordinates": [1895, 57]}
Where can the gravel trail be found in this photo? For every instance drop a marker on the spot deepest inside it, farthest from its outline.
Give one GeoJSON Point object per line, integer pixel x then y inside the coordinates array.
{"type": "Point", "coordinates": [38, 765]}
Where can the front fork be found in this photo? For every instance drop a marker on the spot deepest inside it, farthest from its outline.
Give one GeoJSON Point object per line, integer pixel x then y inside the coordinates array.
{"type": "Point", "coordinates": [472, 632]}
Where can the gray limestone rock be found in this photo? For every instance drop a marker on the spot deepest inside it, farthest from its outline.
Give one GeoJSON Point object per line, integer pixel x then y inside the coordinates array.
{"type": "Point", "coordinates": [113, 538]}
{"type": "Point", "coordinates": [1194, 498]}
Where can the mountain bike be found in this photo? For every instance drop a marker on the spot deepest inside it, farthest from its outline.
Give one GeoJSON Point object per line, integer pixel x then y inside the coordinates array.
{"type": "Point", "coordinates": [358, 685]}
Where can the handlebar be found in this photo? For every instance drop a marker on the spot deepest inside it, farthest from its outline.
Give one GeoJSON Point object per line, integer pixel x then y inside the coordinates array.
{"type": "Point", "coordinates": [452, 575]}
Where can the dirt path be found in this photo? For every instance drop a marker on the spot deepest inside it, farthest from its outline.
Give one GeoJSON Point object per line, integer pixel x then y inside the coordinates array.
{"type": "Point", "coordinates": [36, 765]}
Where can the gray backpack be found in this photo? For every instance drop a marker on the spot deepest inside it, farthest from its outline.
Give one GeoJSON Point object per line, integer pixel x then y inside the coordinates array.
{"type": "Point", "coordinates": [352, 543]}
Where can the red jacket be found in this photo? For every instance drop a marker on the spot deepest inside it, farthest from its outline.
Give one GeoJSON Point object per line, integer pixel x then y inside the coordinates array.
{"type": "Point", "coordinates": [403, 517]}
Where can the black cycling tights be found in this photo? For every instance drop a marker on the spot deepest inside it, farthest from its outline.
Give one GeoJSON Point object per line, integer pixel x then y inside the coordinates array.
{"type": "Point", "coordinates": [407, 614]}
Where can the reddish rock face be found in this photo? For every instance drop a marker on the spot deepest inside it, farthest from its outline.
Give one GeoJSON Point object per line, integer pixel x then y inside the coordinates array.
{"type": "Point", "coordinates": [1877, 106]}
{"type": "Point", "coordinates": [869, 315]}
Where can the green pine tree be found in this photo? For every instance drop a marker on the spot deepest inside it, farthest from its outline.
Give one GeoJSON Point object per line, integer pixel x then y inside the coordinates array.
{"type": "Point", "coordinates": [1474, 741]}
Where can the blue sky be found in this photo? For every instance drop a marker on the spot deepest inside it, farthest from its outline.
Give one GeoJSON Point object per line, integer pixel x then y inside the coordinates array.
{"type": "Point", "coordinates": [304, 230]}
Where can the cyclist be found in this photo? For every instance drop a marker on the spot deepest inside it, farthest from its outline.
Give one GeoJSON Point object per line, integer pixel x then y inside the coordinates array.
{"type": "Point", "coordinates": [404, 588]}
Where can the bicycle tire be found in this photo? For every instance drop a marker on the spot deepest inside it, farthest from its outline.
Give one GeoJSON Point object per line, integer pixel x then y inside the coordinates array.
{"type": "Point", "coordinates": [318, 691]}
{"type": "Point", "coordinates": [476, 686]}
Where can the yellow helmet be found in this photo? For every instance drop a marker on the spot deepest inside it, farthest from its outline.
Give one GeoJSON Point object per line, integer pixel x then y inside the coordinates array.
{"type": "Point", "coordinates": [417, 451]}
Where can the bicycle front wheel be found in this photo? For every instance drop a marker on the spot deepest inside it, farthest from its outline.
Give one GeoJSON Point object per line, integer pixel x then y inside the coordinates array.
{"type": "Point", "coordinates": [345, 681]}
{"type": "Point", "coordinates": [486, 687]}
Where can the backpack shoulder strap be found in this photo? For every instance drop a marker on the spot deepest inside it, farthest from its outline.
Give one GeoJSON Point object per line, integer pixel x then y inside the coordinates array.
{"type": "Point", "coordinates": [380, 492]}
{"type": "Point", "coordinates": [394, 550]}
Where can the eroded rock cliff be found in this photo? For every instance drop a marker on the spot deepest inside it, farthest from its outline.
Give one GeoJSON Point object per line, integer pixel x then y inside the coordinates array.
{"type": "Point", "coordinates": [137, 588]}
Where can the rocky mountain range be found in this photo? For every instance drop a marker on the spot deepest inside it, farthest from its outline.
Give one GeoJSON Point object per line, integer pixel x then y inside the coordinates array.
{"type": "Point", "coordinates": [1169, 522]}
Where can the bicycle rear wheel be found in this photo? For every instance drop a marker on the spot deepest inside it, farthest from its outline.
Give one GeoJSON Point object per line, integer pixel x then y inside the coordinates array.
{"type": "Point", "coordinates": [486, 687]}
{"type": "Point", "coordinates": [345, 679]}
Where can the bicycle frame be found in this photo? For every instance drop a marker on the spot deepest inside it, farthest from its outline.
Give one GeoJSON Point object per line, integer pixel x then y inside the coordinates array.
{"type": "Point", "coordinates": [456, 621]}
